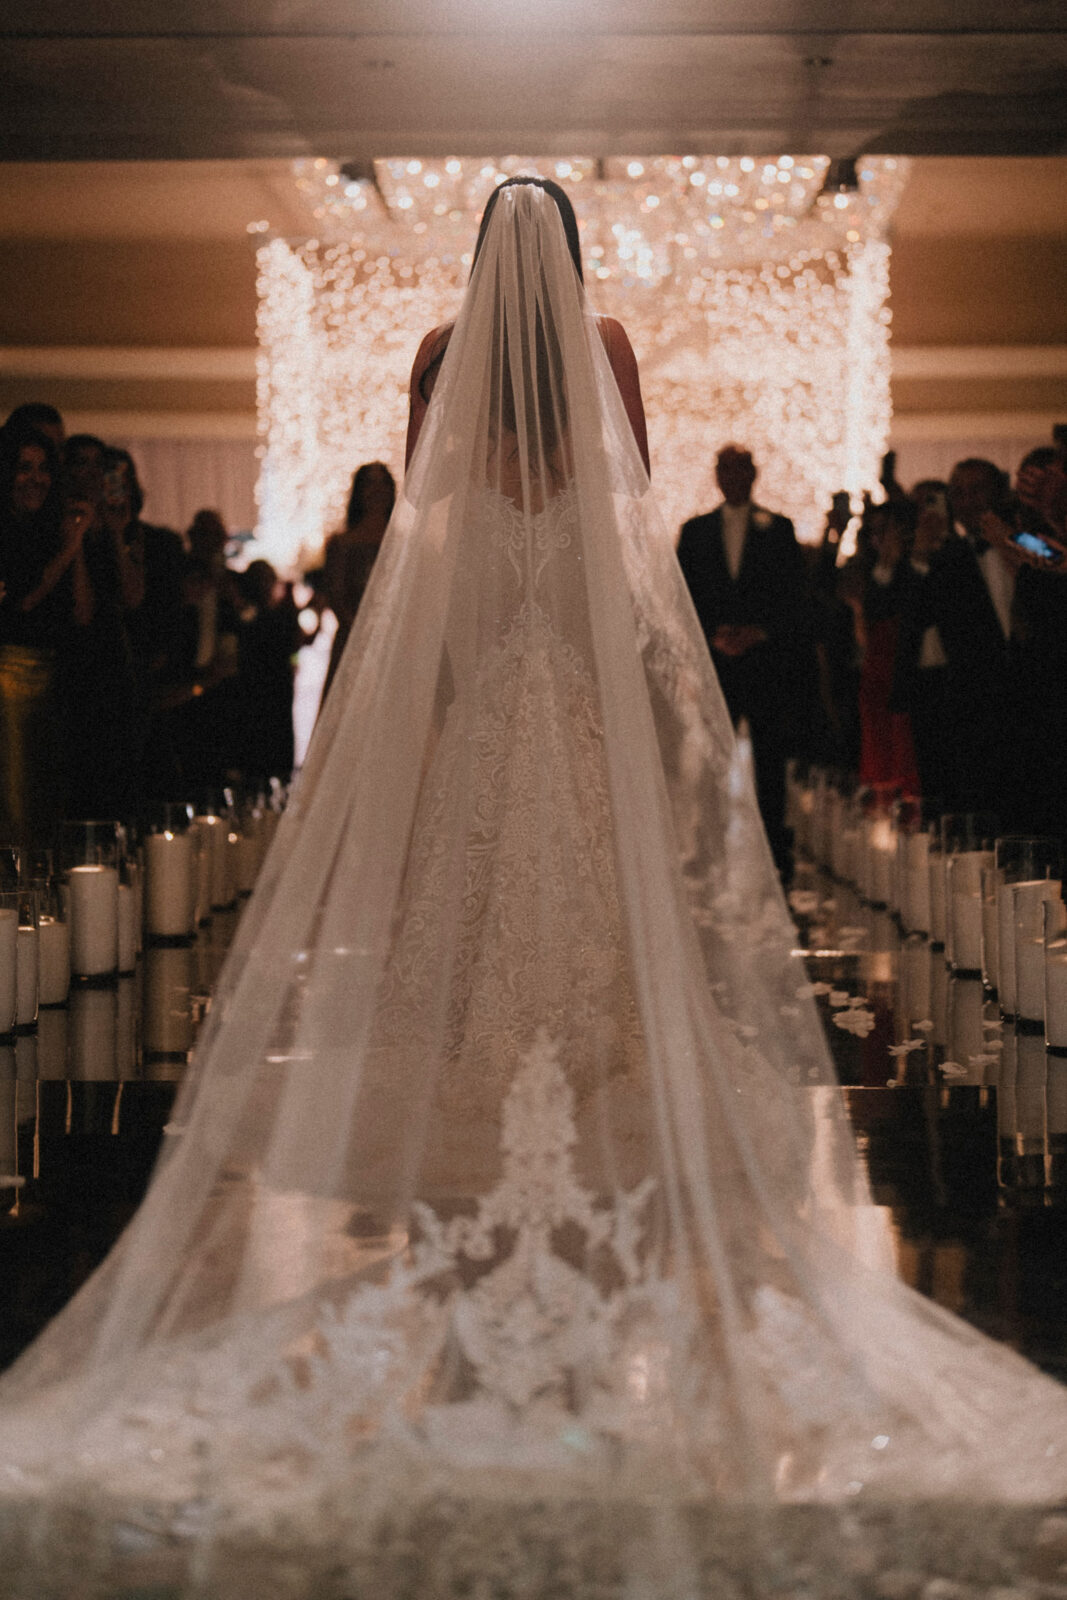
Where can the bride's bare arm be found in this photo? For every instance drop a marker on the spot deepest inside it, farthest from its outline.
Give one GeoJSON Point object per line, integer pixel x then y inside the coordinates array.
{"type": "Point", "coordinates": [428, 356]}
{"type": "Point", "coordinates": [623, 364]}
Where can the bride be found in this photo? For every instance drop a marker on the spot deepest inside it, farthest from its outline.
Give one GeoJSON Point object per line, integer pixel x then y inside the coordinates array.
{"type": "Point", "coordinates": [509, 1239]}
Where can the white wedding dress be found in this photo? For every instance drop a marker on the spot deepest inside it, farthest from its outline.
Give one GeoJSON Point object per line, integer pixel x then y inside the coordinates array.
{"type": "Point", "coordinates": [510, 1240]}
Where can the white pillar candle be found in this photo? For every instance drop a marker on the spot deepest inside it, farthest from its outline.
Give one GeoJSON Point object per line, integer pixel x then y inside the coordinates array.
{"type": "Point", "coordinates": [204, 828]}
{"type": "Point", "coordinates": [222, 890]}
{"type": "Point", "coordinates": [9, 934]}
{"type": "Point", "coordinates": [967, 932]}
{"type": "Point", "coordinates": [127, 927]}
{"type": "Point", "coordinates": [269, 820]}
{"type": "Point", "coordinates": [1029, 938]}
{"type": "Point", "coordinates": [967, 867]}
{"type": "Point", "coordinates": [917, 917]}
{"type": "Point", "coordinates": [1030, 980]}
{"type": "Point", "coordinates": [966, 1035]}
{"type": "Point", "coordinates": [938, 919]}
{"type": "Point", "coordinates": [94, 920]}
{"type": "Point", "coordinates": [247, 862]}
{"type": "Point", "coordinates": [137, 877]}
{"type": "Point", "coordinates": [168, 1003]}
{"type": "Point", "coordinates": [233, 864]}
{"type": "Point", "coordinates": [1006, 949]}
{"type": "Point", "coordinates": [92, 1034]}
{"type": "Point", "coordinates": [170, 885]}
{"type": "Point", "coordinates": [899, 873]}
{"type": "Point", "coordinates": [882, 846]}
{"type": "Point", "coordinates": [990, 940]}
{"type": "Point", "coordinates": [1056, 995]}
{"type": "Point", "coordinates": [52, 1043]}
{"type": "Point", "coordinates": [26, 964]}
{"type": "Point", "coordinates": [53, 948]}
{"type": "Point", "coordinates": [963, 880]}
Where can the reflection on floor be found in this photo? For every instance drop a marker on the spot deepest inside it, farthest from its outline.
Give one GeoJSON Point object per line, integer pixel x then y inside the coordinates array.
{"type": "Point", "coordinates": [964, 1122]}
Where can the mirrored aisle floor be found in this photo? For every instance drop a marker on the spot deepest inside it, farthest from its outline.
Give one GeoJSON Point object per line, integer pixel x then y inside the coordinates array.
{"type": "Point", "coordinates": [964, 1122]}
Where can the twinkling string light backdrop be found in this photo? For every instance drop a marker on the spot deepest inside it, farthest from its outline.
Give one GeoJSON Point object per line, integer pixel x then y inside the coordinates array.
{"type": "Point", "coordinates": [756, 302]}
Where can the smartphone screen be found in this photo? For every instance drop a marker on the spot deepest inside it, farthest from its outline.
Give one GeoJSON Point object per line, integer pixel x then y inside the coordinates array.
{"type": "Point", "coordinates": [1036, 546]}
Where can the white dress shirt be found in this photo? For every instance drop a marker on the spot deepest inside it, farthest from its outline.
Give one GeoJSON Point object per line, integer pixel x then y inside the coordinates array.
{"type": "Point", "coordinates": [1000, 581]}
{"type": "Point", "coordinates": [734, 529]}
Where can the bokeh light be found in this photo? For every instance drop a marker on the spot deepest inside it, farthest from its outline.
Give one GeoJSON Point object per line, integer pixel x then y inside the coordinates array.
{"type": "Point", "coordinates": [757, 314]}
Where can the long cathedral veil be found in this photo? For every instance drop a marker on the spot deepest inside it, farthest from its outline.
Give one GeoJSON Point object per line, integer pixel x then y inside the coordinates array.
{"type": "Point", "coordinates": [509, 1237]}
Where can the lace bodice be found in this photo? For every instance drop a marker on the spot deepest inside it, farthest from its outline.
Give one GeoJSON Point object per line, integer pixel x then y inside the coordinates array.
{"type": "Point", "coordinates": [529, 539]}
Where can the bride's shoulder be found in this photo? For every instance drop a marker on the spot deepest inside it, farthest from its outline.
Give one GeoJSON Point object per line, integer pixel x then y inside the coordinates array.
{"type": "Point", "coordinates": [428, 358]}
{"type": "Point", "coordinates": [443, 331]}
{"type": "Point", "coordinates": [620, 351]}
{"type": "Point", "coordinates": [611, 331]}
{"type": "Point", "coordinates": [433, 343]}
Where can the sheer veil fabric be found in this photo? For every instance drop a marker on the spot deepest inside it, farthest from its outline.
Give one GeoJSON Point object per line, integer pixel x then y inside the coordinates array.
{"type": "Point", "coordinates": [509, 1236]}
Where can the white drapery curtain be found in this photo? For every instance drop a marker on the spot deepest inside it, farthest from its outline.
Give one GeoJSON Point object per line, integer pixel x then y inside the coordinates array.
{"type": "Point", "coordinates": [181, 476]}
{"type": "Point", "coordinates": [935, 458]}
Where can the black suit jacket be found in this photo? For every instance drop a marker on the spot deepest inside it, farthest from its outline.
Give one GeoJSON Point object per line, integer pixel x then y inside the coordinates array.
{"type": "Point", "coordinates": [979, 682]}
{"type": "Point", "coordinates": [771, 591]}
{"type": "Point", "coordinates": [953, 598]}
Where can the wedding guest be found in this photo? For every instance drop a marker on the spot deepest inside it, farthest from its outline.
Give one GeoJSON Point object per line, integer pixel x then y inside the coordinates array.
{"type": "Point", "coordinates": [1040, 635]}
{"type": "Point", "coordinates": [919, 669]}
{"type": "Point", "coordinates": [211, 739]}
{"type": "Point", "coordinates": [43, 596]}
{"type": "Point", "coordinates": [105, 731]}
{"type": "Point", "coordinates": [837, 742]}
{"type": "Point", "coordinates": [350, 553]}
{"type": "Point", "coordinates": [966, 593]}
{"type": "Point", "coordinates": [41, 417]}
{"type": "Point", "coordinates": [886, 582]}
{"type": "Point", "coordinates": [158, 557]}
{"type": "Point", "coordinates": [749, 586]}
{"type": "Point", "coordinates": [270, 638]}
{"type": "Point", "coordinates": [929, 492]}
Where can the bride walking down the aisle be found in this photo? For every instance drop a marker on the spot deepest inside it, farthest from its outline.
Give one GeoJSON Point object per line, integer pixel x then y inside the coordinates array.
{"type": "Point", "coordinates": [510, 1238]}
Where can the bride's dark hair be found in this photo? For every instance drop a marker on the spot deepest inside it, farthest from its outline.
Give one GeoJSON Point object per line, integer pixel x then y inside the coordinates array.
{"type": "Point", "coordinates": [563, 206]}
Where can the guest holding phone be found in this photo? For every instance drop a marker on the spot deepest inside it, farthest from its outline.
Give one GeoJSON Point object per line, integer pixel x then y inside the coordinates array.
{"type": "Point", "coordinates": [967, 594]}
{"type": "Point", "coordinates": [1029, 537]}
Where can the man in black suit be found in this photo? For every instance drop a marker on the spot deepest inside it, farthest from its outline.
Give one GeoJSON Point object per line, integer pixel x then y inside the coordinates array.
{"type": "Point", "coordinates": [962, 620]}
{"type": "Point", "coordinates": [749, 586]}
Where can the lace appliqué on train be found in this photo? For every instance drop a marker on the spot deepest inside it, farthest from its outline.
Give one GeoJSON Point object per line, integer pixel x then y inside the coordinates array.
{"type": "Point", "coordinates": [536, 1325]}
{"type": "Point", "coordinates": [537, 1306]}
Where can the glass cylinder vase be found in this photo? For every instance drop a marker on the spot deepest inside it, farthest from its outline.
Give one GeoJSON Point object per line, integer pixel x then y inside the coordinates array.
{"type": "Point", "coordinates": [967, 841]}
{"type": "Point", "coordinates": [1017, 859]}
{"type": "Point", "coordinates": [90, 862]}
{"type": "Point", "coordinates": [171, 875]}
{"type": "Point", "coordinates": [1056, 976]}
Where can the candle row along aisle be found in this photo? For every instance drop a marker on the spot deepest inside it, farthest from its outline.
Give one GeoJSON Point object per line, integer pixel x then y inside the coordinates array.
{"type": "Point", "coordinates": [990, 903]}
{"type": "Point", "coordinates": [83, 916]}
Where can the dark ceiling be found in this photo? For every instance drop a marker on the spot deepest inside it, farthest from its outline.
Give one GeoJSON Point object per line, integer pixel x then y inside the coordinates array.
{"type": "Point", "coordinates": [220, 79]}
